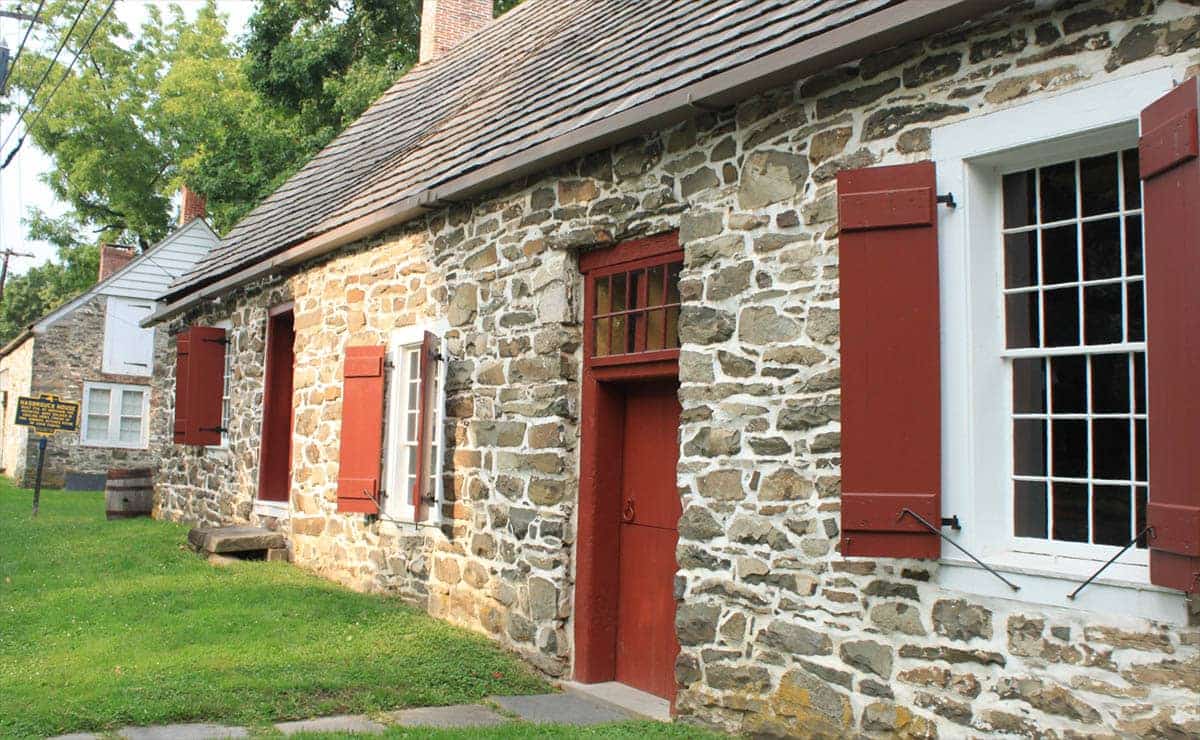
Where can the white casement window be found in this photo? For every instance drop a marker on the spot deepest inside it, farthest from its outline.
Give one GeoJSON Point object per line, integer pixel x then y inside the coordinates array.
{"type": "Point", "coordinates": [1043, 347]}
{"type": "Point", "coordinates": [115, 415]}
{"type": "Point", "coordinates": [403, 432]}
{"type": "Point", "coordinates": [128, 348]}
{"type": "Point", "coordinates": [227, 382]}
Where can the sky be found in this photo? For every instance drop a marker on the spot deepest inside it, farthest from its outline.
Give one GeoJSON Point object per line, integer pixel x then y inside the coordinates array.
{"type": "Point", "coordinates": [20, 186]}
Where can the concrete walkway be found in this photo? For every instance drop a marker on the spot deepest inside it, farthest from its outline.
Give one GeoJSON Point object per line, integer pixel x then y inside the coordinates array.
{"type": "Point", "coordinates": [567, 708]}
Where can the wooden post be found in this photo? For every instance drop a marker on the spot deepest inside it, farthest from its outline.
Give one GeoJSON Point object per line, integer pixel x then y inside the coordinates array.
{"type": "Point", "coordinates": [37, 483]}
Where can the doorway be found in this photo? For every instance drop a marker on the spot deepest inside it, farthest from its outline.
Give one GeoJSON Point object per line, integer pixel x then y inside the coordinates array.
{"type": "Point", "coordinates": [275, 458]}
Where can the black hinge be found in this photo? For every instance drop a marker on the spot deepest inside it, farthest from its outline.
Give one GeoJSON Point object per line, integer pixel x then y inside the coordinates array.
{"type": "Point", "coordinates": [222, 430]}
{"type": "Point", "coordinates": [947, 200]}
{"type": "Point", "coordinates": [952, 522]}
{"type": "Point", "coordinates": [222, 342]}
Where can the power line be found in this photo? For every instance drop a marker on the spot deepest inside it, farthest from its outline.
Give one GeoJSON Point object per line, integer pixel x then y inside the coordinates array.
{"type": "Point", "coordinates": [17, 57]}
{"type": "Point", "coordinates": [49, 67]}
{"type": "Point", "coordinates": [66, 73]}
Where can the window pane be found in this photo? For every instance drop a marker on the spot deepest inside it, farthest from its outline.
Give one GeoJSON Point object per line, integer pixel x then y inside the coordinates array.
{"type": "Point", "coordinates": [410, 430]}
{"type": "Point", "coordinates": [655, 327]}
{"type": "Point", "coordinates": [1133, 245]}
{"type": "Point", "coordinates": [634, 294]}
{"type": "Point", "coordinates": [1060, 255]}
{"type": "Point", "coordinates": [97, 428]}
{"type": "Point", "coordinates": [1020, 208]}
{"type": "Point", "coordinates": [1139, 497]}
{"type": "Point", "coordinates": [636, 324]}
{"type": "Point", "coordinates": [1140, 450]}
{"type": "Point", "coordinates": [1098, 179]}
{"type": "Point", "coordinates": [656, 277]}
{"type": "Point", "coordinates": [1071, 512]}
{"type": "Point", "coordinates": [618, 292]}
{"type": "Point", "coordinates": [1070, 448]}
{"type": "Point", "coordinates": [1136, 303]}
{"type": "Point", "coordinates": [673, 271]}
{"type": "Point", "coordinates": [603, 344]}
{"type": "Point", "coordinates": [673, 327]}
{"type": "Point", "coordinates": [1133, 184]}
{"type": "Point", "coordinates": [131, 403]}
{"type": "Point", "coordinates": [1068, 389]}
{"type": "Point", "coordinates": [1029, 386]}
{"type": "Point", "coordinates": [1110, 384]}
{"type": "Point", "coordinates": [1058, 192]}
{"type": "Point", "coordinates": [1062, 317]}
{"type": "Point", "coordinates": [1102, 249]}
{"type": "Point", "coordinates": [1029, 509]}
{"type": "Point", "coordinates": [603, 302]}
{"type": "Point", "coordinates": [131, 430]}
{"type": "Point", "coordinates": [1029, 447]}
{"type": "Point", "coordinates": [1111, 515]}
{"type": "Point", "coordinates": [619, 326]}
{"type": "Point", "coordinates": [1020, 259]}
{"type": "Point", "coordinates": [1139, 382]}
{"type": "Point", "coordinates": [99, 401]}
{"type": "Point", "coordinates": [1110, 449]}
{"type": "Point", "coordinates": [1102, 311]}
{"type": "Point", "coordinates": [1021, 319]}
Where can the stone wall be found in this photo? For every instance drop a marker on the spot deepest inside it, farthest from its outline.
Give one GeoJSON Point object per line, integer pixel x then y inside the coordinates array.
{"type": "Point", "coordinates": [64, 356]}
{"type": "Point", "coordinates": [780, 634]}
{"type": "Point", "coordinates": [17, 368]}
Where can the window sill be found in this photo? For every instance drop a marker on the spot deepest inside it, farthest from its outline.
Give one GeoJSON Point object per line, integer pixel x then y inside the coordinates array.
{"type": "Point", "coordinates": [1122, 590]}
{"type": "Point", "coordinates": [113, 446]}
{"type": "Point", "coordinates": [276, 509]}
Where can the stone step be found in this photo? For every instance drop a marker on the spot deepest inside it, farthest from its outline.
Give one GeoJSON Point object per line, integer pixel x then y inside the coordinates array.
{"type": "Point", "coordinates": [217, 540]}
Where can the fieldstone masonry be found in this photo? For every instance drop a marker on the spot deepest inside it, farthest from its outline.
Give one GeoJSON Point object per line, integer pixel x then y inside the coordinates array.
{"type": "Point", "coordinates": [780, 634]}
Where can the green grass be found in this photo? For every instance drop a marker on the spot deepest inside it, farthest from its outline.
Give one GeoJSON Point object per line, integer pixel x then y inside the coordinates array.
{"type": "Point", "coordinates": [108, 624]}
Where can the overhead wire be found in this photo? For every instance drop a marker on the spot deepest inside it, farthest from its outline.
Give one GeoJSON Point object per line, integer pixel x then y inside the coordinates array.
{"type": "Point", "coordinates": [42, 81]}
{"type": "Point", "coordinates": [17, 57]}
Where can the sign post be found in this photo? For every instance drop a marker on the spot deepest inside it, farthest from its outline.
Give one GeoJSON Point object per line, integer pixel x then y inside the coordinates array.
{"type": "Point", "coordinates": [45, 415]}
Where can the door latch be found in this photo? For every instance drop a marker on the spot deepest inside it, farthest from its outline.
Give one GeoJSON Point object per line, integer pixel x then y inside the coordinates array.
{"type": "Point", "coordinates": [627, 511]}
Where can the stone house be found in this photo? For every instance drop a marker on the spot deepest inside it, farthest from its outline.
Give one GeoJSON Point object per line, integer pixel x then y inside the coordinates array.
{"type": "Point", "coordinates": [92, 350]}
{"type": "Point", "coordinates": [784, 360]}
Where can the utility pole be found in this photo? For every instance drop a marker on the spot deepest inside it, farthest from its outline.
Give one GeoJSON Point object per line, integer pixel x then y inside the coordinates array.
{"type": "Point", "coordinates": [8, 254]}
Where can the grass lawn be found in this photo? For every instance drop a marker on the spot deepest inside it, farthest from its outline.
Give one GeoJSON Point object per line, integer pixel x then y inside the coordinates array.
{"type": "Point", "coordinates": [107, 624]}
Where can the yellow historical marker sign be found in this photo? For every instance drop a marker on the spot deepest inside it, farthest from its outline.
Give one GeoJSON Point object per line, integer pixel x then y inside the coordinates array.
{"type": "Point", "coordinates": [47, 414]}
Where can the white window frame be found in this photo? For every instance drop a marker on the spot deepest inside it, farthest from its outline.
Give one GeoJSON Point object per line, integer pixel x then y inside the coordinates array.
{"type": "Point", "coordinates": [227, 382]}
{"type": "Point", "coordinates": [112, 361]}
{"type": "Point", "coordinates": [971, 156]}
{"type": "Point", "coordinates": [116, 390]}
{"type": "Point", "coordinates": [397, 503]}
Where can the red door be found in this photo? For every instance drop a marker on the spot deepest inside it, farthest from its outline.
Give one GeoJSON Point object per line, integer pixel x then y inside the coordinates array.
{"type": "Point", "coordinates": [275, 466]}
{"type": "Point", "coordinates": [650, 510]}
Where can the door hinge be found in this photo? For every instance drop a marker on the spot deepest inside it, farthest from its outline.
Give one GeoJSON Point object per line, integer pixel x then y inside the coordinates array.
{"type": "Point", "coordinates": [952, 522]}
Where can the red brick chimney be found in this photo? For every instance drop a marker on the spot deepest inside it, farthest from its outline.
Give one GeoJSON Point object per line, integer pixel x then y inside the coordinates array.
{"type": "Point", "coordinates": [112, 258]}
{"type": "Point", "coordinates": [444, 23]}
{"type": "Point", "coordinates": [194, 206]}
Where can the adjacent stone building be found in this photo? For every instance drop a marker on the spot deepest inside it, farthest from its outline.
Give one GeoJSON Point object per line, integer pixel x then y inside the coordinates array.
{"type": "Point", "coordinates": [501, 266]}
{"type": "Point", "coordinates": [92, 350]}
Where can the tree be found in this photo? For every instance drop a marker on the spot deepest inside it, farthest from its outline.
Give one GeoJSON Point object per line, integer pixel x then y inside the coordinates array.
{"type": "Point", "coordinates": [136, 119]}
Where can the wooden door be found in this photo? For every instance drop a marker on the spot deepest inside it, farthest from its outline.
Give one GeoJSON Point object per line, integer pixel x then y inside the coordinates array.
{"type": "Point", "coordinates": [649, 529]}
{"type": "Point", "coordinates": [275, 465]}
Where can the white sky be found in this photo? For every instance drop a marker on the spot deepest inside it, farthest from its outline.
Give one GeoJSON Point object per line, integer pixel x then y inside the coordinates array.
{"type": "Point", "coordinates": [20, 185]}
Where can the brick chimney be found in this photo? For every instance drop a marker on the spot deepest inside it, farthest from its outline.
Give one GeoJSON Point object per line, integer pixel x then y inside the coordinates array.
{"type": "Point", "coordinates": [194, 206]}
{"type": "Point", "coordinates": [112, 258]}
{"type": "Point", "coordinates": [444, 23]}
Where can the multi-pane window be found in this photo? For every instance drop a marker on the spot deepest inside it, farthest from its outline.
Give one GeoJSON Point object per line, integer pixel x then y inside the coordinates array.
{"type": "Point", "coordinates": [114, 415]}
{"type": "Point", "coordinates": [1074, 302]}
{"type": "Point", "coordinates": [403, 426]}
{"type": "Point", "coordinates": [635, 310]}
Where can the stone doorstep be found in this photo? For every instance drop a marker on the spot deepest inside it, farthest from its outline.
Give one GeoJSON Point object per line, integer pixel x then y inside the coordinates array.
{"type": "Point", "coordinates": [566, 709]}
{"type": "Point", "coordinates": [234, 539]}
{"type": "Point", "coordinates": [623, 698]}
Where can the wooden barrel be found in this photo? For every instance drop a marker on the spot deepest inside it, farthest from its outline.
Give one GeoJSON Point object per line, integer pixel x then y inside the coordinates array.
{"type": "Point", "coordinates": [128, 492]}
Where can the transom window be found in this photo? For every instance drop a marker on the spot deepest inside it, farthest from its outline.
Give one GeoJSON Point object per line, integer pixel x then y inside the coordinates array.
{"type": "Point", "coordinates": [632, 301]}
{"type": "Point", "coordinates": [1075, 331]}
{"type": "Point", "coordinates": [114, 415]}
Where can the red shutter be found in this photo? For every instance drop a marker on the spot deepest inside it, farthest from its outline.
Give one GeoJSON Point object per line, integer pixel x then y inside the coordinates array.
{"type": "Point", "coordinates": [891, 386]}
{"type": "Point", "coordinates": [425, 431]}
{"type": "Point", "coordinates": [199, 385]}
{"type": "Point", "coordinates": [1170, 174]}
{"type": "Point", "coordinates": [206, 385]}
{"type": "Point", "coordinates": [183, 344]}
{"type": "Point", "coordinates": [362, 431]}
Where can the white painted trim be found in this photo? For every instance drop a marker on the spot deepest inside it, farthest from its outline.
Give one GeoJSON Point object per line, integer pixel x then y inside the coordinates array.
{"type": "Point", "coordinates": [397, 505]}
{"type": "Point", "coordinates": [227, 325]}
{"type": "Point", "coordinates": [123, 333]}
{"type": "Point", "coordinates": [114, 415]}
{"type": "Point", "coordinates": [970, 156]}
{"type": "Point", "coordinates": [276, 509]}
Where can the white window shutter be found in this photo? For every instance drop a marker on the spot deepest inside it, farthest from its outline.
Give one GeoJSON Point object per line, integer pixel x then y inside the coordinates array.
{"type": "Point", "coordinates": [128, 348]}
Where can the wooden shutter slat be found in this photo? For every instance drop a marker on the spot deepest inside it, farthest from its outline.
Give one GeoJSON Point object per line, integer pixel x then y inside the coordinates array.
{"type": "Point", "coordinates": [1170, 171]}
{"type": "Point", "coordinates": [891, 385]}
{"type": "Point", "coordinates": [362, 430]}
{"type": "Point", "coordinates": [428, 370]}
{"type": "Point", "coordinates": [183, 343]}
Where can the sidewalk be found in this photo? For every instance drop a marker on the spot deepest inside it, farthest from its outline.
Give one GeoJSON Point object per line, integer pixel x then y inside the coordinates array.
{"type": "Point", "coordinates": [566, 709]}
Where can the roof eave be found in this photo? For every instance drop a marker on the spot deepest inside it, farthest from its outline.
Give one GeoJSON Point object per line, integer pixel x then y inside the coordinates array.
{"type": "Point", "coordinates": [891, 26]}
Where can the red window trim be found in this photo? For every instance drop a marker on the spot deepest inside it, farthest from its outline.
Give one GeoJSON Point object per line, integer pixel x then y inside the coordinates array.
{"type": "Point", "coordinates": [662, 249]}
